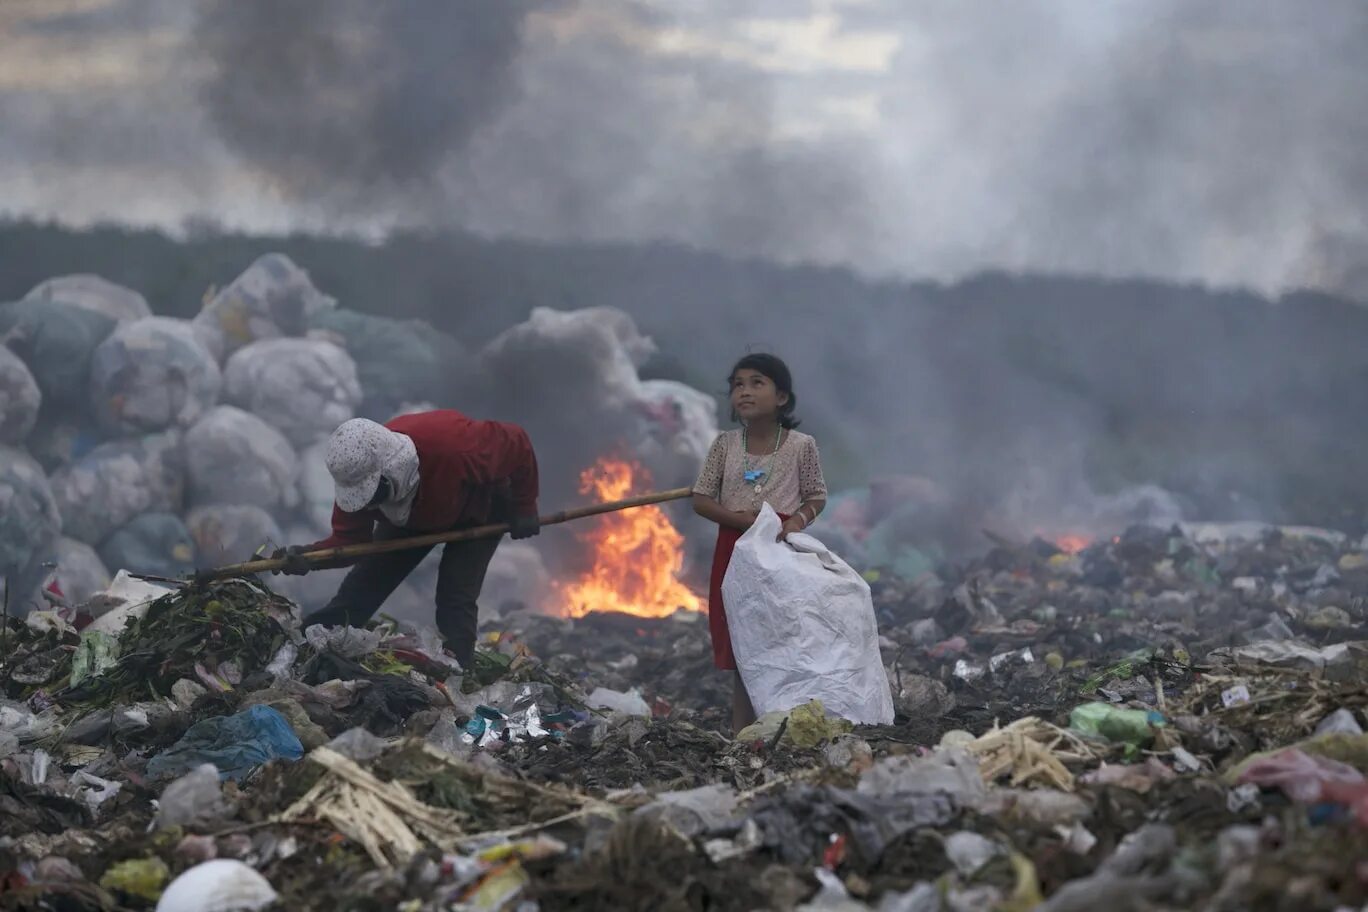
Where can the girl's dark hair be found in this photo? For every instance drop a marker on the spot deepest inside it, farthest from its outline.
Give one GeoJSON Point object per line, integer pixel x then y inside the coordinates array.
{"type": "Point", "coordinates": [777, 371]}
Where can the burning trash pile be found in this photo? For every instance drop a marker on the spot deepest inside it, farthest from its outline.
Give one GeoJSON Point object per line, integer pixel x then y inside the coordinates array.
{"type": "Point", "coordinates": [158, 445]}
{"type": "Point", "coordinates": [1170, 718]}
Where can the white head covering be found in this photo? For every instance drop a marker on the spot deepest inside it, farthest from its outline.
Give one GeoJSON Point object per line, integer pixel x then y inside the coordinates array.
{"type": "Point", "coordinates": [360, 452]}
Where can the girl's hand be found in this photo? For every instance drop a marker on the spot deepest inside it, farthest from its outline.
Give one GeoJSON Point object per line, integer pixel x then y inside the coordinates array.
{"type": "Point", "coordinates": [747, 517]}
{"type": "Point", "coordinates": [791, 525]}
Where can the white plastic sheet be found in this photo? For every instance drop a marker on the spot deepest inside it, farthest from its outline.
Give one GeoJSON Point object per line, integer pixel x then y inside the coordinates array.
{"type": "Point", "coordinates": [802, 626]}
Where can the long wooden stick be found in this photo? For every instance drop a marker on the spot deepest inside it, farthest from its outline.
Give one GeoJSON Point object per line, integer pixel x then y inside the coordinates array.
{"type": "Point", "coordinates": [366, 549]}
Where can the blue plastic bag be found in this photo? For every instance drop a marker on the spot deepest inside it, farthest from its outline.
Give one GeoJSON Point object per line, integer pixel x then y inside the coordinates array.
{"type": "Point", "coordinates": [235, 744]}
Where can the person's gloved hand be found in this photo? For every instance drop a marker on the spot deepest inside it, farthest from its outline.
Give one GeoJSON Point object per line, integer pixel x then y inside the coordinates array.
{"type": "Point", "coordinates": [293, 556]}
{"type": "Point", "coordinates": [524, 527]}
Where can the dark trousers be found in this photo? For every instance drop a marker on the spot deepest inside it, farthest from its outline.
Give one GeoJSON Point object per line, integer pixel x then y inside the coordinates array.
{"type": "Point", "coordinates": [459, 580]}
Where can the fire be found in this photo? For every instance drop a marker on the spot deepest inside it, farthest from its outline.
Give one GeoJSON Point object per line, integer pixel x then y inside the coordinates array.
{"type": "Point", "coordinates": [1072, 544]}
{"type": "Point", "coordinates": [638, 553]}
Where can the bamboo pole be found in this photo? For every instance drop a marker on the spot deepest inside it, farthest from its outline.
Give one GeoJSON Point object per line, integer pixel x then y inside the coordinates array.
{"type": "Point", "coordinates": [366, 549]}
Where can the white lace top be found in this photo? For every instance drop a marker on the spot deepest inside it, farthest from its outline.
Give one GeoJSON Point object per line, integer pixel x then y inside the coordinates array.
{"type": "Point", "coordinates": [794, 478]}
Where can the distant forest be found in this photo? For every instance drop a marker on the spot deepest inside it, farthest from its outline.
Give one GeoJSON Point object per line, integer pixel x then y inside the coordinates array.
{"type": "Point", "coordinates": [1245, 406]}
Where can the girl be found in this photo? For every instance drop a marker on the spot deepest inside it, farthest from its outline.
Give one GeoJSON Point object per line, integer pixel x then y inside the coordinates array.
{"type": "Point", "coordinates": [766, 460]}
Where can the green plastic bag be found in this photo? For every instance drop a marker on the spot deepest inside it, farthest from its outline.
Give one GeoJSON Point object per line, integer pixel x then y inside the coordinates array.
{"type": "Point", "coordinates": [1121, 726]}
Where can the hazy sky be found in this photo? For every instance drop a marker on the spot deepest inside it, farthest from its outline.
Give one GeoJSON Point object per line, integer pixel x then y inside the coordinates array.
{"type": "Point", "coordinates": [1223, 141]}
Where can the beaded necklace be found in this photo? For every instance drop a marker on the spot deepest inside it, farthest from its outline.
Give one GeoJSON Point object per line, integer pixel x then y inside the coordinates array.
{"type": "Point", "coordinates": [755, 475]}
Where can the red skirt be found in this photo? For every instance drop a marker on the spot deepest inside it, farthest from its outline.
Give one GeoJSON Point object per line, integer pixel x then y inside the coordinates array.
{"type": "Point", "coordinates": [723, 657]}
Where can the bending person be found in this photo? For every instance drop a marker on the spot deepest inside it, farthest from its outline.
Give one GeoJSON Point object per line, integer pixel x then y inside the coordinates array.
{"type": "Point", "coordinates": [429, 472]}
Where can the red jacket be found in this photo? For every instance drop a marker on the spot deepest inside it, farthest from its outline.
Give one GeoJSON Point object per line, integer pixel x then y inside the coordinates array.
{"type": "Point", "coordinates": [462, 466]}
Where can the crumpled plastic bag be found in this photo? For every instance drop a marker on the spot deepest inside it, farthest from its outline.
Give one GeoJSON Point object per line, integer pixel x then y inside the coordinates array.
{"type": "Point", "coordinates": [802, 627]}
{"type": "Point", "coordinates": [194, 800]}
{"type": "Point", "coordinates": [93, 294]}
{"type": "Point", "coordinates": [235, 744]}
{"type": "Point", "coordinates": [56, 341]}
{"type": "Point", "coordinates": [18, 720]}
{"type": "Point", "coordinates": [273, 297]}
{"type": "Point", "coordinates": [29, 521]}
{"type": "Point", "coordinates": [347, 642]}
{"type": "Point", "coordinates": [154, 543]}
{"type": "Point", "coordinates": [304, 388]}
{"type": "Point", "coordinates": [397, 361]}
{"type": "Point", "coordinates": [150, 375]}
{"type": "Point", "coordinates": [20, 398]}
{"type": "Point", "coordinates": [630, 703]}
{"type": "Point", "coordinates": [117, 481]}
{"type": "Point", "coordinates": [232, 533]}
{"type": "Point", "coordinates": [233, 457]}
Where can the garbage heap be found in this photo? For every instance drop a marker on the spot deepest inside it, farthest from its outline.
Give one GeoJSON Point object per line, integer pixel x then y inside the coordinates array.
{"type": "Point", "coordinates": [1169, 719]}
{"type": "Point", "coordinates": [158, 445]}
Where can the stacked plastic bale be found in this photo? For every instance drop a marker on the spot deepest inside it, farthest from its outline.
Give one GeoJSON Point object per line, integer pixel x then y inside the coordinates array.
{"type": "Point", "coordinates": [172, 444]}
{"type": "Point", "coordinates": [47, 339]}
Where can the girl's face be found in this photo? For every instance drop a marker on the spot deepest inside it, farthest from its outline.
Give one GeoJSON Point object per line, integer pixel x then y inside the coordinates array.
{"type": "Point", "coordinates": [753, 395]}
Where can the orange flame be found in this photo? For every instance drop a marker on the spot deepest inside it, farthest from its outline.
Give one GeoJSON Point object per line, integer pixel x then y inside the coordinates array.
{"type": "Point", "coordinates": [638, 553]}
{"type": "Point", "coordinates": [1072, 544]}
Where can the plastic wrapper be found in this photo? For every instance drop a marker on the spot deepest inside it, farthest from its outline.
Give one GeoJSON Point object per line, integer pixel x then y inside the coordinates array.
{"type": "Point", "coordinates": [117, 481]}
{"type": "Point", "coordinates": [153, 543]}
{"type": "Point", "coordinates": [230, 534]}
{"type": "Point", "coordinates": [57, 342]}
{"type": "Point", "coordinates": [29, 521]}
{"type": "Point", "coordinates": [152, 374]}
{"type": "Point", "coordinates": [804, 627]}
{"type": "Point", "coordinates": [20, 398]}
{"type": "Point", "coordinates": [397, 361]}
{"type": "Point", "coordinates": [491, 727]}
{"type": "Point", "coordinates": [272, 298]}
{"type": "Point", "coordinates": [93, 294]}
{"type": "Point", "coordinates": [304, 388]}
{"type": "Point", "coordinates": [234, 457]}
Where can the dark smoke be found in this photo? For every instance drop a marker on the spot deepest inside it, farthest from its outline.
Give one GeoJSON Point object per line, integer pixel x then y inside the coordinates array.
{"type": "Point", "coordinates": [334, 97]}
